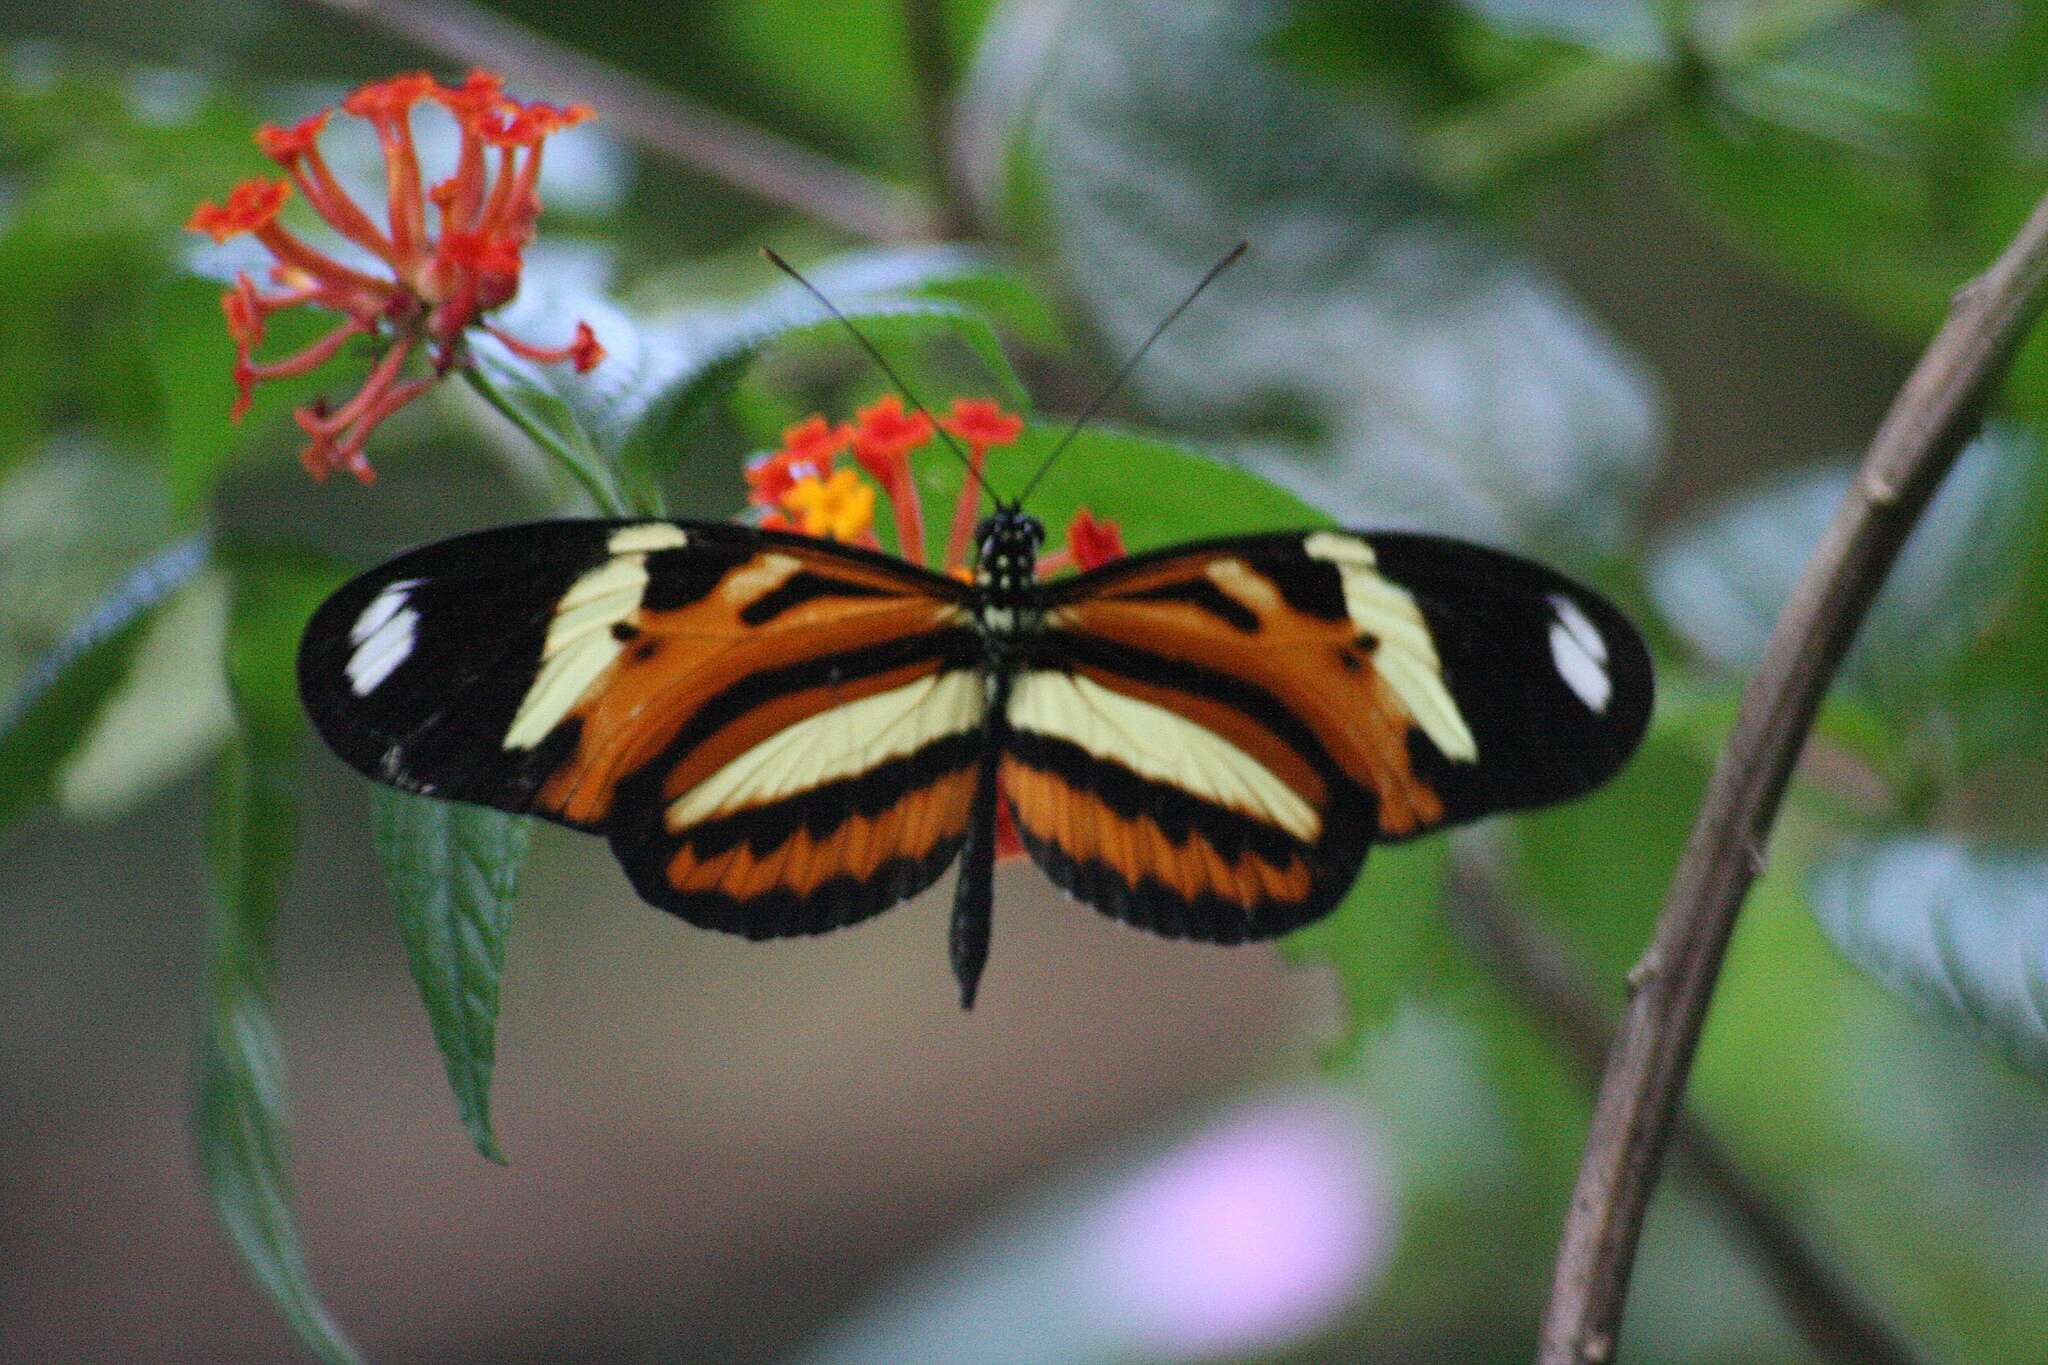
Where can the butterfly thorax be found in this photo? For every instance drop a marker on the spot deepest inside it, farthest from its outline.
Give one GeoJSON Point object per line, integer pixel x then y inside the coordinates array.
{"type": "Point", "coordinates": [1006, 573]}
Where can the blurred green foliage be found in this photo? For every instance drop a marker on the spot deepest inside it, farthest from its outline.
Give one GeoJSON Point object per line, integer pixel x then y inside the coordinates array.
{"type": "Point", "coordinates": [1392, 351]}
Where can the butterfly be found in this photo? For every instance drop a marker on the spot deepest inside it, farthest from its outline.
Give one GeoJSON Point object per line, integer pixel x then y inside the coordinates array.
{"type": "Point", "coordinates": [781, 735]}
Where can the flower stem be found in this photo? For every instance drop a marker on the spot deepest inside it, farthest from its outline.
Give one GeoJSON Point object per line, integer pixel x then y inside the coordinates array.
{"type": "Point", "coordinates": [602, 490]}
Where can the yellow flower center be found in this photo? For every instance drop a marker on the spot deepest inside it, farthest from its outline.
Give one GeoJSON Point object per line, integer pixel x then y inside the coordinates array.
{"type": "Point", "coordinates": [841, 506]}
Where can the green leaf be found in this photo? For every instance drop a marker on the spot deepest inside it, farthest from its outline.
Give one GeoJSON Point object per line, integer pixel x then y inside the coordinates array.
{"type": "Point", "coordinates": [240, 1118]}
{"type": "Point", "coordinates": [1722, 581]}
{"type": "Point", "coordinates": [1382, 940]}
{"type": "Point", "coordinates": [1959, 930]}
{"type": "Point", "coordinates": [169, 712]}
{"type": "Point", "coordinates": [240, 1106]}
{"type": "Point", "coordinates": [55, 706]}
{"type": "Point", "coordinates": [453, 871]}
{"type": "Point", "coordinates": [1157, 492]}
{"type": "Point", "coordinates": [660, 382]}
{"type": "Point", "coordinates": [942, 271]}
{"type": "Point", "coordinates": [1377, 348]}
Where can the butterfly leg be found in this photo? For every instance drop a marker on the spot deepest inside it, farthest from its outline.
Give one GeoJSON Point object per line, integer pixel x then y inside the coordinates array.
{"type": "Point", "coordinates": [974, 893]}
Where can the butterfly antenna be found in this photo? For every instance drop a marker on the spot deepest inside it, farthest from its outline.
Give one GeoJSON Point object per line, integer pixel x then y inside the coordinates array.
{"type": "Point", "coordinates": [1230, 258]}
{"type": "Point", "coordinates": [875, 355]}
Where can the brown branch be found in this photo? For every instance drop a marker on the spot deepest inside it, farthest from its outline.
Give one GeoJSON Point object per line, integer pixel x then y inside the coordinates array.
{"type": "Point", "coordinates": [748, 158]}
{"type": "Point", "coordinates": [932, 75]}
{"type": "Point", "coordinates": [1933, 416]}
{"type": "Point", "coordinates": [1540, 975]}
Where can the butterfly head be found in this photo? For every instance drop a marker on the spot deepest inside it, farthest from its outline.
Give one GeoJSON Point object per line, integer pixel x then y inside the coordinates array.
{"type": "Point", "coordinates": [1007, 546]}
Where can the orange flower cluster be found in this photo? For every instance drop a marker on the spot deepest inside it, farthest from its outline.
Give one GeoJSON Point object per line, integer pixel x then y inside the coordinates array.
{"type": "Point", "coordinates": [805, 491]}
{"type": "Point", "coordinates": [442, 279]}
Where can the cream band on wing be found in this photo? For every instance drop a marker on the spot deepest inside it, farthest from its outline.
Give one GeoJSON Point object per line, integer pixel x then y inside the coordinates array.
{"type": "Point", "coordinates": [580, 645]}
{"type": "Point", "coordinates": [1157, 744]}
{"type": "Point", "coordinates": [842, 741]}
{"type": "Point", "coordinates": [1405, 656]}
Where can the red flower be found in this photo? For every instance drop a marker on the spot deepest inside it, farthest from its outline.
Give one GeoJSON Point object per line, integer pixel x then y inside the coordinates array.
{"type": "Point", "coordinates": [983, 425]}
{"type": "Point", "coordinates": [807, 451]}
{"type": "Point", "coordinates": [884, 431]}
{"type": "Point", "coordinates": [799, 479]}
{"type": "Point", "coordinates": [1094, 541]}
{"type": "Point", "coordinates": [979, 422]}
{"type": "Point", "coordinates": [883, 437]}
{"type": "Point", "coordinates": [443, 277]}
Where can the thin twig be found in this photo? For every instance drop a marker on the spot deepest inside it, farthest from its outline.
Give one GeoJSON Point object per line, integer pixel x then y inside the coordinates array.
{"type": "Point", "coordinates": [1835, 1320]}
{"type": "Point", "coordinates": [662, 121]}
{"type": "Point", "coordinates": [1934, 414]}
{"type": "Point", "coordinates": [932, 74]}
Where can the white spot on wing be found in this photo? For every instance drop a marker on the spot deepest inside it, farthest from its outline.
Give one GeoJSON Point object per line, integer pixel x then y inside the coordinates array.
{"type": "Point", "coordinates": [1406, 654]}
{"type": "Point", "coordinates": [1579, 652]}
{"type": "Point", "coordinates": [382, 608]}
{"type": "Point", "coordinates": [837, 743]}
{"type": "Point", "coordinates": [1155, 743]}
{"type": "Point", "coordinates": [383, 637]}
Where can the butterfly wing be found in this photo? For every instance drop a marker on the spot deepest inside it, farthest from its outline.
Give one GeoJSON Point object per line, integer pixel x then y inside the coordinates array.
{"type": "Point", "coordinates": [1205, 741]}
{"type": "Point", "coordinates": [778, 734]}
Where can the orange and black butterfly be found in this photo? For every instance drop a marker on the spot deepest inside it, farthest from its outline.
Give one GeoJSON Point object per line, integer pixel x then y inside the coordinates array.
{"type": "Point", "coordinates": [781, 735]}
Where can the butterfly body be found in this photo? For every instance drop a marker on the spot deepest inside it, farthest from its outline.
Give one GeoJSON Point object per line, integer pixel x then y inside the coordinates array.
{"type": "Point", "coordinates": [781, 735]}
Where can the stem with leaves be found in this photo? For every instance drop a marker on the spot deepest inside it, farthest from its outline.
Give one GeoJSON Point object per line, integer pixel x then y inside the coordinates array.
{"type": "Point", "coordinates": [1930, 420]}
{"type": "Point", "coordinates": [603, 490]}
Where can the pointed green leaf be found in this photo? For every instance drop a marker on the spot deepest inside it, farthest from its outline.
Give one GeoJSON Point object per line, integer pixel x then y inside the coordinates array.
{"type": "Point", "coordinates": [240, 1107]}
{"type": "Point", "coordinates": [54, 708]}
{"type": "Point", "coordinates": [453, 871]}
{"type": "Point", "coordinates": [1959, 929]}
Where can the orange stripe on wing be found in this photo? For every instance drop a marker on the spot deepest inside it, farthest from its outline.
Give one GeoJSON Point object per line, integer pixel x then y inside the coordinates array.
{"type": "Point", "coordinates": [859, 848]}
{"type": "Point", "coordinates": [1136, 848]}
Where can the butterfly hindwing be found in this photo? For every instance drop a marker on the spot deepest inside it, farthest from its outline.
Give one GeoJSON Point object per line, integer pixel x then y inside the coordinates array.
{"type": "Point", "coordinates": [777, 733]}
{"type": "Point", "coordinates": [1205, 740]}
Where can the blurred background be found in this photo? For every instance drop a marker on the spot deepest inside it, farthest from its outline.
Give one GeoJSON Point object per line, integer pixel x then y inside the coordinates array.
{"type": "Point", "coordinates": [1624, 286]}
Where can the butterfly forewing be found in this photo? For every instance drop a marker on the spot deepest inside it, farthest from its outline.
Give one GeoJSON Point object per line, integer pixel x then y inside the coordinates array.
{"type": "Point", "coordinates": [778, 734]}
{"type": "Point", "coordinates": [1204, 741]}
